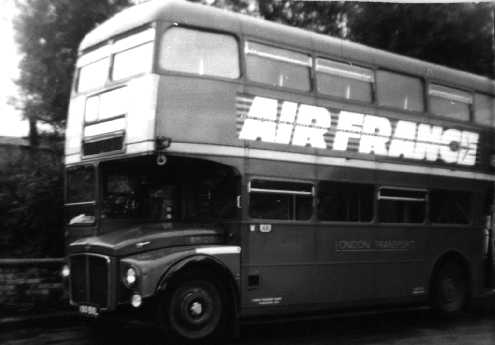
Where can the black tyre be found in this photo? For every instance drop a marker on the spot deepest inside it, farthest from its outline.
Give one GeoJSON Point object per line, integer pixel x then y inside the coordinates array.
{"type": "Point", "coordinates": [450, 288]}
{"type": "Point", "coordinates": [193, 310]}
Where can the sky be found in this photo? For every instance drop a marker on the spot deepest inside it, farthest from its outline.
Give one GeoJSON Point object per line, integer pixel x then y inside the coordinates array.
{"type": "Point", "coordinates": [11, 123]}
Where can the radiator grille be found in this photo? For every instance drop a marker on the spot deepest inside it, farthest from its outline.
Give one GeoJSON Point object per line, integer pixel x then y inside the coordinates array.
{"type": "Point", "coordinates": [89, 279]}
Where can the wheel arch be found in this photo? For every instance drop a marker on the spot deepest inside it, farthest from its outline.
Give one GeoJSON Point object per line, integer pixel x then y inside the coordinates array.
{"type": "Point", "coordinates": [204, 263]}
{"type": "Point", "coordinates": [455, 256]}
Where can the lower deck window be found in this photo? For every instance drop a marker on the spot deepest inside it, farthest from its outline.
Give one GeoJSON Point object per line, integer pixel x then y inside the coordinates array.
{"type": "Point", "coordinates": [450, 207]}
{"type": "Point", "coordinates": [280, 200]}
{"type": "Point", "coordinates": [401, 205]}
{"type": "Point", "coordinates": [345, 202]}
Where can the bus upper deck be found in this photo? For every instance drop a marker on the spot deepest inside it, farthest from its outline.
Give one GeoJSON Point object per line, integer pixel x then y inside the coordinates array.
{"type": "Point", "coordinates": [248, 88]}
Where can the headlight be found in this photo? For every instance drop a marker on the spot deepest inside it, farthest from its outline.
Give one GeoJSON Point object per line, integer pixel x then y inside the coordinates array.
{"type": "Point", "coordinates": [130, 277]}
{"type": "Point", "coordinates": [65, 271]}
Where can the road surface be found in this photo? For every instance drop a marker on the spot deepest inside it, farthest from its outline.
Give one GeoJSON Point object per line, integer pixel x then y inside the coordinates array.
{"type": "Point", "coordinates": [406, 327]}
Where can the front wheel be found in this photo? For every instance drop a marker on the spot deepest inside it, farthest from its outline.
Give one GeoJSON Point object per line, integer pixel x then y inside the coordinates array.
{"type": "Point", "coordinates": [193, 310]}
{"type": "Point", "coordinates": [450, 288]}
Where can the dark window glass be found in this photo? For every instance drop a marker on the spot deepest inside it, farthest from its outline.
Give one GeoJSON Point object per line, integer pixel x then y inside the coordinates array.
{"type": "Point", "coordinates": [80, 184]}
{"type": "Point", "coordinates": [401, 206]}
{"type": "Point", "coordinates": [280, 200]}
{"type": "Point", "coordinates": [281, 185]}
{"type": "Point", "coordinates": [345, 202]}
{"type": "Point", "coordinates": [278, 67]}
{"type": "Point", "coordinates": [450, 207]}
{"type": "Point", "coordinates": [343, 80]}
{"type": "Point", "coordinates": [303, 207]}
{"type": "Point", "coordinates": [449, 102]}
{"type": "Point", "coordinates": [399, 91]}
{"type": "Point", "coordinates": [187, 190]}
{"type": "Point", "coordinates": [270, 206]}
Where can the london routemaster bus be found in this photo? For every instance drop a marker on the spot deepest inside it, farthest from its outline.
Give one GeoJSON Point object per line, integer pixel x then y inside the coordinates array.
{"type": "Point", "coordinates": [221, 167]}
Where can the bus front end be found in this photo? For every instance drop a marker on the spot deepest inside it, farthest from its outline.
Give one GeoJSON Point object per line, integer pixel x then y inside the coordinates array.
{"type": "Point", "coordinates": [144, 230]}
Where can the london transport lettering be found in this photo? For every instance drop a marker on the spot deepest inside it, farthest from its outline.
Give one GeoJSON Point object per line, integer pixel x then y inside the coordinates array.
{"type": "Point", "coordinates": [284, 122]}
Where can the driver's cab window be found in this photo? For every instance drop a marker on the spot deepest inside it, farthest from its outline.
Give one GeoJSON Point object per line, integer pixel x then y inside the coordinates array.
{"type": "Point", "coordinates": [181, 190]}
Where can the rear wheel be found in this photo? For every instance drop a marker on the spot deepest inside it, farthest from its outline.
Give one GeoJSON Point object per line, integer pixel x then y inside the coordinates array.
{"type": "Point", "coordinates": [450, 288]}
{"type": "Point", "coordinates": [193, 309]}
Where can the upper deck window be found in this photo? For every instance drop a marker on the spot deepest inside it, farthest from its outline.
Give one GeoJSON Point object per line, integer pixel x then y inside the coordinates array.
{"type": "Point", "coordinates": [450, 102]}
{"type": "Point", "coordinates": [344, 80]}
{"type": "Point", "coordinates": [484, 110]}
{"type": "Point", "coordinates": [399, 91]}
{"type": "Point", "coordinates": [200, 52]}
{"type": "Point", "coordinates": [133, 55]}
{"type": "Point", "coordinates": [278, 67]}
{"type": "Point", "coordinates": [93, 69]}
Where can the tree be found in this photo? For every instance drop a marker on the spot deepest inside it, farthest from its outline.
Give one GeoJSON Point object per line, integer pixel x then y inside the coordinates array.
{"type": "Point", "coordinates": [455, 35]}
{"type": "Point", "coordinates": [322, 17]}
{"type": "Point", "coordinates": [48, 33]}
{"type": "Point", "coordinates": [31, 214]}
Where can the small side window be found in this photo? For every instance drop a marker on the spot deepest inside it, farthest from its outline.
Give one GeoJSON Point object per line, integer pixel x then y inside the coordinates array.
{"type": "Point", "coordinates": [93, 68]}
{"type": "Point", "coordinates": [344, 80]}
{"type": "Point", "coordinates": [93, 75]}
{"type": "Point", "coordinates": [449, 102]}
{"type": "Point", "coordinates": [278, 67]}
{"type": "Point", "coordinates": [280, 200]}
{"type": "Point", "coordinates": [450, 207]}
{"type": "Point", "coordinates": [484, 110]}
{"type": "Point", "coordinates": [401, 205]}
{"type": "Point", "coordinates": [80, 184]}
{"type": "Point", "coordinates": [399, 91]}
{"type": "Point", "coordinates": [80, 201]}
{"type": "Point", "coordinates": [345, 202]}
{"type": "Point", "coordinates": [134, 54]}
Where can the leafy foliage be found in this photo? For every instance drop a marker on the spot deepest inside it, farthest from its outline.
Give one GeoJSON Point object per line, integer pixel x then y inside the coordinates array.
{"type": "Point", "coordinates": [455, 35]}
{"type": "Point", "coordinates": [48, 34]}
{"type": "Point", "coordinates": [31, 199]}
{"type": "Point", "coordinates": [322, 17]}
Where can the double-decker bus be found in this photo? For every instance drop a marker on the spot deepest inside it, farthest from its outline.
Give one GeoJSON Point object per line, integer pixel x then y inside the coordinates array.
{"type": "Point", "coordinates": [221, 167]}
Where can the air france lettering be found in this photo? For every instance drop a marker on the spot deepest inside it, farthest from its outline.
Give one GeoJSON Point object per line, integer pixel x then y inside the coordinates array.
{"type": "Point", "coordinates": [307, 125]}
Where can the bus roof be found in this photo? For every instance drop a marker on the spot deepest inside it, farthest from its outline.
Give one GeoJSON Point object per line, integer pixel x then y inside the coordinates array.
{"type": "Point", "coordinates": [184, 12]}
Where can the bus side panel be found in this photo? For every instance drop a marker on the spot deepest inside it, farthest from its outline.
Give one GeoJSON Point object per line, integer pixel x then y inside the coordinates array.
{"type": "Point", "coordinates": [400, 262]}
{"type": "Point", "coordinates": [197, 110]}
{"type": "Point", "coordinates": [280, 264]}
{"type": "Point", "coordinates": [346, 264]}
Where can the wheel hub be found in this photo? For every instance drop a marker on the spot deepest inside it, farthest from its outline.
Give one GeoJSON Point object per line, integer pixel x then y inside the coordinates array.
{"type": "Point", "coordinates": [196, 309]}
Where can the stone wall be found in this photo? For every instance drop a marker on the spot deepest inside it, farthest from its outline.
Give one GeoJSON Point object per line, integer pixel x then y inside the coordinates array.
{"type": "Point", "coordinates": [31, 286]}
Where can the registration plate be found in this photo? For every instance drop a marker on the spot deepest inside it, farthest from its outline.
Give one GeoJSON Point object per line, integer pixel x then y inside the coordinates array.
{"type": "Point", "coordinates": [89, 310]}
